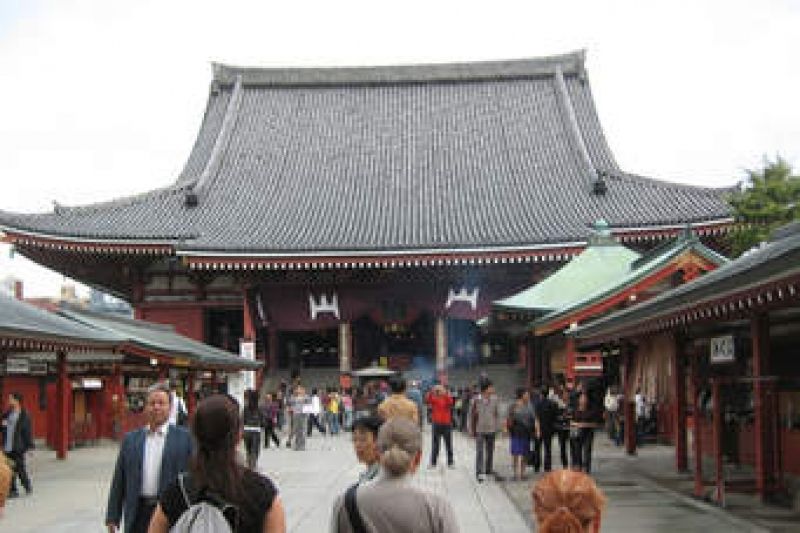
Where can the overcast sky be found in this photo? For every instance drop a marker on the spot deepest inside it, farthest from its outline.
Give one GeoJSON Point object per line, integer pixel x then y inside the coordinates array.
{"type": "Point", "coordinates": [100, 99]}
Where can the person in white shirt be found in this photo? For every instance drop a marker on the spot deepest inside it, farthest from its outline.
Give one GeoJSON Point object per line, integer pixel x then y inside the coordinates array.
{"type": "Point", "coordinates": [150, 458]}
{"type": "Point", "coordinates": [611, 403]}
{"type": "Point", "coordinates": [640, 403]}
{"type": "Point", "coordinates": [177, 409]}
{"type": "Point", "coordinates": [316, 409]}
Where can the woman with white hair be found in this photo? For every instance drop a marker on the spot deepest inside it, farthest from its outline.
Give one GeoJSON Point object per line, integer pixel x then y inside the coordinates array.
{"type": "Point", "coordinates": [391, 503]}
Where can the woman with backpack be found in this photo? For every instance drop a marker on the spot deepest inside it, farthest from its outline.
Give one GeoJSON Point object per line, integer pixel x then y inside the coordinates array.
{"type": "Point", "coordinates": [216, 481]}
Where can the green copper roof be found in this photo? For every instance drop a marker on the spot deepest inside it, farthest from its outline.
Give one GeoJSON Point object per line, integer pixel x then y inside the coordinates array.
{"type": "Point", "coordinates": [640, 269]}
{"type": "Point", "coordinates": [604, 261]}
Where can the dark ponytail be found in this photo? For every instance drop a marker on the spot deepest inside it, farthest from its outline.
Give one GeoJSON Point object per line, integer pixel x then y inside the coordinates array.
{"type": "Point", "coordinates": [216, 426]}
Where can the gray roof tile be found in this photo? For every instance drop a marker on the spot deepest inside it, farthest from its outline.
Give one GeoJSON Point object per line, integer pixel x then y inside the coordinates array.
{"type": "Point", "coordinates": [21, 320]}
{"type": "Point", "coordinates": [478, 155]}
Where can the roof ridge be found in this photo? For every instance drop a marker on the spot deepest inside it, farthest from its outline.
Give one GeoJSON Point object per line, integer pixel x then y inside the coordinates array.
{"type": "Point", "coordinates": [663, 184]}
{"type": "Point", "coordinates": [79, 314]}
{"type": "Point", "coordinates": [573, 129]}
{"type": "Point", "coordinates": [59, 209]}
{"type": "Point", "coordinates": [571, 63]}
{"type": "Point", "coordinates": [221, 142]}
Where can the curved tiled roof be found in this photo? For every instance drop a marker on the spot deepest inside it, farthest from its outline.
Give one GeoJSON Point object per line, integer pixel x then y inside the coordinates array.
{"type": "Point", "coordinates": [21, 320]}
{"type": "Point", "coordinates": [779, 259]}
{"type": "Point", "coordinates": [429, 157]}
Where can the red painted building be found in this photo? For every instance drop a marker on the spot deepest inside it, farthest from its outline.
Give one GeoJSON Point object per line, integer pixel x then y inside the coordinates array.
{"type": "Point", "coordinates": [735, 382]}
{"type": "Point", "coordinates": [348, 215]}
{"type": "Point", "coordinates": [83, 375]}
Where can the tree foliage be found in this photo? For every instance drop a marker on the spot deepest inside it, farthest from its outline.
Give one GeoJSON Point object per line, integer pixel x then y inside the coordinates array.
{"type": "Point", "coordinates": [769, 198]}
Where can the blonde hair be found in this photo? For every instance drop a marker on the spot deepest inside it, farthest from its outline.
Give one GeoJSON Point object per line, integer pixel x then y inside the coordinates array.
{"type": "Point", "coordinates": [399, 441]}
{"type": "Point", "coordinates": [566, 501]}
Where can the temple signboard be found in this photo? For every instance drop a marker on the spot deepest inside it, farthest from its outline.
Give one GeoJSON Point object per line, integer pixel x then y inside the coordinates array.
{"type": "Point", "coordinates": [723, 350]}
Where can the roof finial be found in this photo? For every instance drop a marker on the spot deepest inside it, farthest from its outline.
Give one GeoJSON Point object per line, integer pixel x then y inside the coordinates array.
{"type": "Point", "coordinates": [601, 234]}
{"type": "Point", "coordinates": [599, 186]}
{"type": "Point", "coordinates": [190, 200]}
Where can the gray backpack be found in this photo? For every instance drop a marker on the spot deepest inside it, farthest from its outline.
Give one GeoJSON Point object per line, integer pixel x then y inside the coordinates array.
{"type": "Point", "coordinates": [207, 515]}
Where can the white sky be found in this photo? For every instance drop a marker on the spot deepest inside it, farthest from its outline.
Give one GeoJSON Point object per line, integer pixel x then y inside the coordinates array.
{"type": "Point", "coordinates": [102, 98]}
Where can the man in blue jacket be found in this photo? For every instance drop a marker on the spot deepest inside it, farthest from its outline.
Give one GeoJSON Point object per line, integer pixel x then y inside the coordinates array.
{"type": "Point", "coordinates": [149, 460]}
{"type": "Point", "coordinates": [17, 441]}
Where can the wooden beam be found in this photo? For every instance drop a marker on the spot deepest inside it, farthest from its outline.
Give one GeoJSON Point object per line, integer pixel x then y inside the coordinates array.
{"type": "Point", "coordinates": [763, 396]}
{"type": "Point", "coordinates": [719, 473]}
{"type": "Point", "coordinates": [63, 397]}
{"type": "Point", "coordinates": [697, 441]}
{"type": "Point", "coordinates": [628, 406]}
{"type": "Point", "coordinates": [679, 405]}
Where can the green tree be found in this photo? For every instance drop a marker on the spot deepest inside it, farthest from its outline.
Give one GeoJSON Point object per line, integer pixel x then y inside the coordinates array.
{"type": "Point", "coordinates": [769, 199]}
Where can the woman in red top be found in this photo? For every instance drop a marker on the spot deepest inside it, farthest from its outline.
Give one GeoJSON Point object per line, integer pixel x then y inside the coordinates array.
{"type": "Point", "coordinates": [441, 404]}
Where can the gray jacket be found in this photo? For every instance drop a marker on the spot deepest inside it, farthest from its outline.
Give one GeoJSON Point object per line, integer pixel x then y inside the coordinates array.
{"type": "Point", "coordinates": [395, 505]}
{"type": "Point", "coordinates": [485, 415]}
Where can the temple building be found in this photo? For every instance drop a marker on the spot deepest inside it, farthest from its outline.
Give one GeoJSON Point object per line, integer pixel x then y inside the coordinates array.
{"type": "Point", "coordinates": [730, 339]}
{"type": "Point", "coordinates": [340, 217]}
{"type": "Point", "coordinates": [605, 277]}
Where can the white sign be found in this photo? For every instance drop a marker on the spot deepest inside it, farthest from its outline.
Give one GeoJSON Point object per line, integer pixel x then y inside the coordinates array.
{"type": "Point", "coordinates": [323, 304]}
{"type": "Point", "coordinates": [722, 349]}
{"type": "Point", "coordinates": [236, 386]}
{"type": "Point", "coordinates": [462, 295]}
{"type": "Point", "coordinates": [17, 366]}
{"type": "Point", "coordinates": [247, 350]}
{"type": "Point", "coordinates": [92, 383]}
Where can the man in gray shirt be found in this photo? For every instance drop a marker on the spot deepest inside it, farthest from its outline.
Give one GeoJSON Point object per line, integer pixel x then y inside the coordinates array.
{"type": "Point", "coordinates": [484, 419]}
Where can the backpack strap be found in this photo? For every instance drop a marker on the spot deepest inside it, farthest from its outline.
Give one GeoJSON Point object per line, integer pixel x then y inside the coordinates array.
{"type": "Point", "coordinates": [184, 491]}
{"type": "Point", "coordinates": [229, 511]}
{"type": "Point", "coordinates": [352, 510]}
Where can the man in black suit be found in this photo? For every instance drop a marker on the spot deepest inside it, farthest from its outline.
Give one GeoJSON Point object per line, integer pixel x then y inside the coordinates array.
{"type": "Point", "coordinates": [17, 440]}
{"type": "Point", "coordinates": [149, 460]}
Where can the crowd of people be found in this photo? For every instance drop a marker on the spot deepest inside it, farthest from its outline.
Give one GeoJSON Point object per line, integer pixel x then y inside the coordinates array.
{"type": "Point", "coordinates": [177, 470]}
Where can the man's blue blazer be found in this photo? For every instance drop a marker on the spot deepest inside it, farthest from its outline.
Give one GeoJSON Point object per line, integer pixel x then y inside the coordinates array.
{"type": "Point", "coordinates": [126, 486]}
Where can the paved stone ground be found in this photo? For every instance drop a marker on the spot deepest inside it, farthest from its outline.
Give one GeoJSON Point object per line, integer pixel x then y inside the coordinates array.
{"type": "Point", "coordinates": [639, 502]}
{"type": "Point", "coordinates": [70, 496]}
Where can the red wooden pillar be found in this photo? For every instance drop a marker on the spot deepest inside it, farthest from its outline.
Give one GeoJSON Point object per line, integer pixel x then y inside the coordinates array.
{"type": "Point", "coordinates": [120, 403]}
{"type": "Point", "coordinates": [163, 372]}
{"type": "Point", "coordinates": [523, 357]}
{"type": "Point", "coordinates": [249, 332]}
{"type": "Point", "coordinates": [628, 406]}
{"type": "Point", "coordinates": [63, 392]}
{"type": "Point", "coordinates": [190, 397]}
{"type": "Point", "coordinates": [569, 369]}
{"type": "Point", "coordinates": [719, 477]}
{"type": "Point", "coordinates": [249, 326]}
{"type": "Point", "coordinates": [697, 417]}
{"type": "Point", "coordinates": [763, 424]}
{"type": "Point", "coordinates": [679, 407]}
